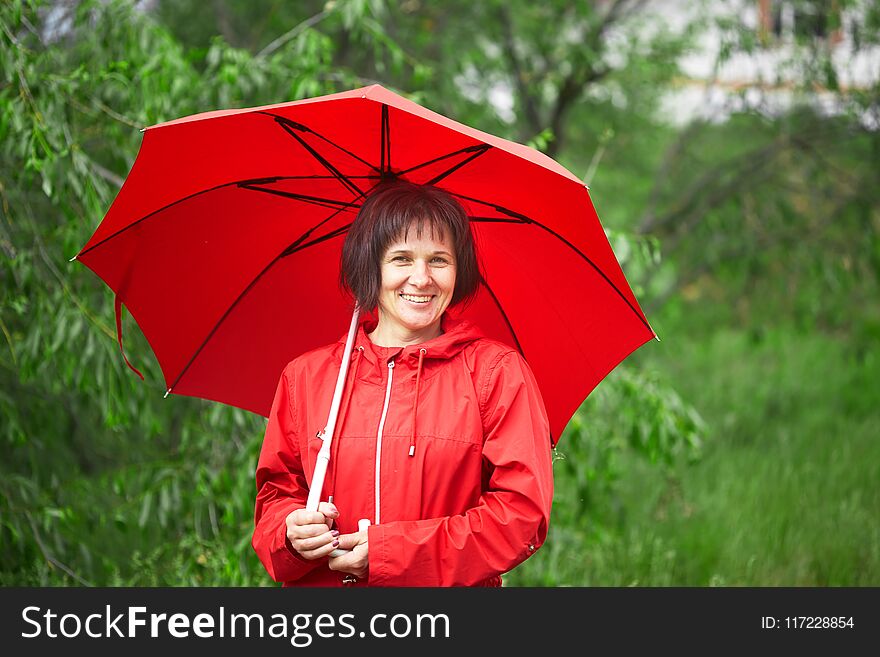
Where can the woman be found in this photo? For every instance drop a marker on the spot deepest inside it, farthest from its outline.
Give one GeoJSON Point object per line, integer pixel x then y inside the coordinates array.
{"type": "Point", "coordinates": [442, 439]}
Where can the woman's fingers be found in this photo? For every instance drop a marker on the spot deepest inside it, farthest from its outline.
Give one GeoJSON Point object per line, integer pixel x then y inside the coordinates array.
{"type": "Point", "coordinates": [349, 541]}
{"type": "Point", "coordinates": [329, 511]}
{"type": "Point", "coordinates": [357, 560]}
{"type": "Point", "coordinates": [318, 546]}
{"type": "Point", "coordinates": [303, 517]}
{"type": "Point", "coordinates": [313, 536]}
{"type": "Point", "coordinates": [309, 532]}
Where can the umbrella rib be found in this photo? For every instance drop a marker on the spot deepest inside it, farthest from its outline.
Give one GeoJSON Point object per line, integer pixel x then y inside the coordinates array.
{"type": "Point", "coordinates": [495, 220]}
{"type": "Point", "coordinates": [314, 176]}
{"type": "Point", "coordinates": [523, 219]}
{"type": "Point", "coordinates": [320, 158]}
{"type": "Point", "coordinates": [304, 128]}
{"type": "Point", "coordinates": [235, 183]}
{"type": "Point", "coordinates": [385, 146]}
{"type": "Point", "coordinates": [289, 249]}
{"type": "Point", "coordinates": [600, 272]}
{"type": "Point", "coordinates": [295, 245]}
{"type": "Point", "coordinates": [293, 248]}
{"type": "Point", "coordinates": [510, 213]}
{"type": "Point", "coordinates": [466, 149]}
{"type": "Point", "coordinates": [316, 200]}
{"type": "Point", "coordinates": [452, 169]}
{"type": "Point", "coordinates": [504, 315]}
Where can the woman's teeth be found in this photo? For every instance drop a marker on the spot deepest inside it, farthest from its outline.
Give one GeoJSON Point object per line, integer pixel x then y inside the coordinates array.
{"type": "Point", "coordinates": [416, 299]}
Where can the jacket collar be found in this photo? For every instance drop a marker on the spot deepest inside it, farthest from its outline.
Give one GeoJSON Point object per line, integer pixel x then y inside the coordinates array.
{"type": "Point", "coordinates": [456, 335]}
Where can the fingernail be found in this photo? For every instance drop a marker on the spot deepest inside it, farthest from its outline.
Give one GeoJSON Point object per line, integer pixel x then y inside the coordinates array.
{"type": "Point", "coordinates": [335, 543]}
{"type": "Point", "coordinates": [335, 533]}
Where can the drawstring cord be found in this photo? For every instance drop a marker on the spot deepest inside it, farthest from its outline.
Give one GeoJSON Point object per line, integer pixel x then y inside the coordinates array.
{"type": "Point", "coordinates": [334, 446]}
{"type": "Point", "coordinates": [412, 440]}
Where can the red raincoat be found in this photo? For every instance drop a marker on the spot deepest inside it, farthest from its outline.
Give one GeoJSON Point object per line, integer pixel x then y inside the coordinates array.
{"type": "Point", "coordinates": [471, 502]}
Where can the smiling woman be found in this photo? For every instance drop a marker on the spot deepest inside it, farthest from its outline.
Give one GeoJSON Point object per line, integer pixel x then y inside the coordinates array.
{"type": "Point", "coordinates": [388, 219]}
{"type": "Point", "coordinates": [442, 435]}
{"type": "Point", "coordinates": [419, 268]}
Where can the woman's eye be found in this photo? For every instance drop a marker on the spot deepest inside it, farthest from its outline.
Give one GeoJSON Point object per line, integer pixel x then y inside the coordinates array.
{"type": "Point", "coordinates": [399, 259]}
{"type": "Point", "coordinates": [439, 261]}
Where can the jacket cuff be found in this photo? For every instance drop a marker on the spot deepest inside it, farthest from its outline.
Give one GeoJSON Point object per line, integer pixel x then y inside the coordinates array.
{"type": "Point", "coordinates": [287, 563]}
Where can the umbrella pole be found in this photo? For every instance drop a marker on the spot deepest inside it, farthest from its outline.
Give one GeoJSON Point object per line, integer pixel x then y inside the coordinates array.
{"type": "Point", "coordinates": [323, 459]}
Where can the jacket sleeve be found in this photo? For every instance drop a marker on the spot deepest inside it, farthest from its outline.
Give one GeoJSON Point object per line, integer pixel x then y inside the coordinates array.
{"type": "Point", "coordinates": [509, 522]}
{"type": "Point", "coordinates": [281, 488]}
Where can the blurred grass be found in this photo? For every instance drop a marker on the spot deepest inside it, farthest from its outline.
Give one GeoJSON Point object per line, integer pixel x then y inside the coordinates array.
{"type": "Point", "coordinates": [786, 494]}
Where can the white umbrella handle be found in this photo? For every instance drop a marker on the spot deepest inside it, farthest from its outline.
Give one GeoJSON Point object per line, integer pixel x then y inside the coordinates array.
{"type": "Point", "coordinates": [317, 484]}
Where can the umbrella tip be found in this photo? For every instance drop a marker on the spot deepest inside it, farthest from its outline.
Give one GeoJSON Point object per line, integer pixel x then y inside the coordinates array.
{"type": "Point", "coordinates": [73, 258]}
{"type": "Point", "coordinates": [657, 337]}
{"type": "Point", "coordinates": [167, 392]}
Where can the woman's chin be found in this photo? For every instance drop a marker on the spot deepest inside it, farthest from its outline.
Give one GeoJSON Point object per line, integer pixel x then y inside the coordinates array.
{"type": "Point", "coordinates": [417, 322]}
{"type": "Point", "coordinates": [407, 318]}
{"type": "Point", "coordinates": [419, 325]}
{"type": "Point", "coordinates": [412, 315]}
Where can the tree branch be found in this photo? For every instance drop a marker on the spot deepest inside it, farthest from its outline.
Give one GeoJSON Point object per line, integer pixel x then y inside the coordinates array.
{"type": "Point", "coordinates": [796, 235]}
{"type": "Point", "coordinates": [106, 174]}
{"type": "Point", "coordinates": [579, 78]}
{"type": "Point", "coordinates": [739, 167]}
{"type": "Point", "coordinates": [618, 10]}
{"type": "Point", "coordinates": [706, 193]}
{"type": "Point", "coordinates": [529, 104]}
{"type": "Point", "coordinates": [293, 33]}
{"type": "Point", "coordinates": [48, 555]}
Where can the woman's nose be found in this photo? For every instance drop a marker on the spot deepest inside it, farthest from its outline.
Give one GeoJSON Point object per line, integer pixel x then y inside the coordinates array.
{"type": "Point", "coordinates": [420, 275]}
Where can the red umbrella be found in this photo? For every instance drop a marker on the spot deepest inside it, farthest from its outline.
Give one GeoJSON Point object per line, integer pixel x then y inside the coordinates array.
{"type": "Point", "coordinates": [228, 230]}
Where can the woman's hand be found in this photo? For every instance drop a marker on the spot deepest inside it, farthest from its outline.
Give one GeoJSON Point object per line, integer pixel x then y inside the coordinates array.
{"type": "Point", "coordinates": [310, 532]}
{"type": "Point", "coordinates": [356, 562]}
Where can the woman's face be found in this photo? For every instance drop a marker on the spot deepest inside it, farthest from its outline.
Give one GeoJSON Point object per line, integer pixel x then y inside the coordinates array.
{"type": "Point", "coordinates": [418, 281]}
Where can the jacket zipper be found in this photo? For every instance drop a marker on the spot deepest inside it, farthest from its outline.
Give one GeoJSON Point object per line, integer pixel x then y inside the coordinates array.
{"type": "Point", "coordinates": [379, 435]}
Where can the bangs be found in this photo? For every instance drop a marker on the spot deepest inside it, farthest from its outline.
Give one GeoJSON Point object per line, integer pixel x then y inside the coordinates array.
{"type": "Point", "coordinates": [413, 221]}
{"type": "Point", "coordinates": [390, 214]}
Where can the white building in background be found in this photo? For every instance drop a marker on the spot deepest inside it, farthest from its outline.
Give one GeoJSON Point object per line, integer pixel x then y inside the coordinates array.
{"type": "Point", "coordinates": [768, 78]}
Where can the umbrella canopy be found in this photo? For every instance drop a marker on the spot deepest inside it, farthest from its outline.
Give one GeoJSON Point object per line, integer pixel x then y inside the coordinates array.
{"type": "Point", "coordinates": [224, 243]}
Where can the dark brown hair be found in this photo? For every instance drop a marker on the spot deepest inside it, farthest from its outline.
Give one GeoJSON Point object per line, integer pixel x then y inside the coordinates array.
{"type": "Point", "coordinates": [387, 215]}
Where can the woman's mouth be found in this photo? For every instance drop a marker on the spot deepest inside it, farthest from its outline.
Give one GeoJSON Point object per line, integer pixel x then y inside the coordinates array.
{"type": "Point", "coordinates": [417, 298]}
